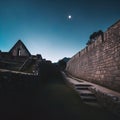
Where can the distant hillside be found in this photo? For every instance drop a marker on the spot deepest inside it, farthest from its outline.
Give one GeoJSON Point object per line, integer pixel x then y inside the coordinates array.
{"type": "Point", "coordinates": [62, 63]}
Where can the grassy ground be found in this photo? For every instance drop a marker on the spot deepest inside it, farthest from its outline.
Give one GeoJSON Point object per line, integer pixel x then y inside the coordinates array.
{"type": "Point", "coordinates": [47, 99]}
{"type": "Point", "coordinates": [61, 102]}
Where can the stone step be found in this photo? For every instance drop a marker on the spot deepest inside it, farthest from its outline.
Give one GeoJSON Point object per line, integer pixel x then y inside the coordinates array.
{"type": "Point", "coordinates": [85, 91]}
{"type": "Point", "coordinates": [88, 98]}
{"type": "Point", "coordinates": [81, 85]}
{"type": "Point", "coordinates": [81, 88]}
{"type": "Point", "coordinates": [87, 94]}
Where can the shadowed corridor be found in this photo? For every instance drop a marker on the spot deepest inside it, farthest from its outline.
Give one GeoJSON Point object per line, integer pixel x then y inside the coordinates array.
{"type": "Point", "coordinates": [48, 98]}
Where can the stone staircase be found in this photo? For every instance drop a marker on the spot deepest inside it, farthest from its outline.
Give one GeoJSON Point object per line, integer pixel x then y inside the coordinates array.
{"type": "Point", "coordinates": [86, 95]}
{"type": "Point", "coordinates": [27, 66]}
{"type": "Point", "coordinates": [83, 89]}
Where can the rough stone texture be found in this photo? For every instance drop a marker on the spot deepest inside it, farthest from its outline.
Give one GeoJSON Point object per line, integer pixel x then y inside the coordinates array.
{"type": "Point", "coordinates": [19, 49]}
{"type": "Point", "coordinates": [16, 79]}
{"type": "Point", "coordinates": [32, 62]}
{"type": "Point", "coordinates": [109, 101]}
{"type": "Point", "coordinates": [19, 59]}
{"type": "Point", "coordinates": [100, 61]}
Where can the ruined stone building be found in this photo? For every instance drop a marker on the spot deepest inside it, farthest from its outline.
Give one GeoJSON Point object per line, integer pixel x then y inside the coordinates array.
{"type": "Point", "coordinates": [19, 49]}
{"type": "Point", "coordinates": [99, 62]}
{"type": "Point", "coordinates": [19, 59]}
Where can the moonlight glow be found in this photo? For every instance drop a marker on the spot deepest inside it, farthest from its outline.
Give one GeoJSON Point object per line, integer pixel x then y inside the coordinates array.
{"type": "Point", "coordinates": [54, 28]}
{"type": "Point", "coordinates": [69, 17]}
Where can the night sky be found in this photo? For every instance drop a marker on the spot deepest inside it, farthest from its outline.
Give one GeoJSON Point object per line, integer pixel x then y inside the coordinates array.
{"type": "Point", "coordinates": [44, 26]}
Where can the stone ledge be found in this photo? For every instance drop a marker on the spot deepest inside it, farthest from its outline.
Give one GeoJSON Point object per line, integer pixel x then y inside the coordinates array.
{"type": "Point", "coordinates": [108, 100]}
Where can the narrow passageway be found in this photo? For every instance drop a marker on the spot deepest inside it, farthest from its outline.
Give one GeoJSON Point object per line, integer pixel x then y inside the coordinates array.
{"type": "Point", "coordinates": [62, 102]}
{"type": "Point", "coordinates": [49, 98]}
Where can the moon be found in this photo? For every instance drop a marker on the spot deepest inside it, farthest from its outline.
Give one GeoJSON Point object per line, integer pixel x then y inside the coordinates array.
{"type": "Point", "coordinates": [69, 17]}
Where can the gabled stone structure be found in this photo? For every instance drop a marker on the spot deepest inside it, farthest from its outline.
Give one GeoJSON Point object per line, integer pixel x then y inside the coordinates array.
{"type": "Point", "coordinates": [19, 49]}
{"type": "Point", "coordinates": [19, 59]}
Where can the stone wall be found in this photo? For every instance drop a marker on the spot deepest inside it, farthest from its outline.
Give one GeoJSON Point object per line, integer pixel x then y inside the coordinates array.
{"type": "Point", "coordinates": [100, 61]}
{"type": "Point", "coordinates": [108, 101]}
{"type": "Point", "coordinates": [11, 62]}
{"type": "Point", "coordinates": [31, 65]}
{"type": "Point", "coordinates": [19, 49]}
{"type": "Point", "coordinates": [17, 80]}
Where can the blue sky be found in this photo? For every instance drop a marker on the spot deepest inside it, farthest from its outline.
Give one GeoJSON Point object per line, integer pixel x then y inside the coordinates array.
{"type": "Point", "coordinates": [44, 27]}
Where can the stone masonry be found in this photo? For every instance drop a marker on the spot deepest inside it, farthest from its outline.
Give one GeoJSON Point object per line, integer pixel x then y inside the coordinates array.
{"type": "Point", "coordinates": [19, 49]}
{"type": "Point", "coordinates": [99, 62]}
